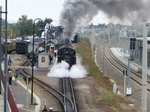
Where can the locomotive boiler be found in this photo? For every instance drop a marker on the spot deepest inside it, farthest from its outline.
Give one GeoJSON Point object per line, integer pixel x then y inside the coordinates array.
{"type": "Point", "coordinates": [66, 53]}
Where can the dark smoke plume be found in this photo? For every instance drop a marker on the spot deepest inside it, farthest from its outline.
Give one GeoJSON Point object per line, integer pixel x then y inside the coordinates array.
{"type": "Point", "coordinates": [77, 12]}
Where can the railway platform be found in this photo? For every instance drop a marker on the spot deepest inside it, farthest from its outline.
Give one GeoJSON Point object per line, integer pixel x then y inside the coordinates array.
{"type": "Point", "coordinates": [21, 98]}
{"type": "Point", "coordinates": [20, 95]}
{"type": "Point", "coordinates": [1, 103]}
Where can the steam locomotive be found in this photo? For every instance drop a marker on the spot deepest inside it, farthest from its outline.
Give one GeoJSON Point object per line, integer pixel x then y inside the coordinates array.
{"type": "Point", "coordinates": [66, 53]}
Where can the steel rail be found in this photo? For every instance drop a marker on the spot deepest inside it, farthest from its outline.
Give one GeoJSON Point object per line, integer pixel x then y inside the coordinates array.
{"type": "Point", "coordinates": [58, 95]}
{"type": "Point", "coordinates": [69, 93]}
{"type": "Point", "coordinates": [114, 61]}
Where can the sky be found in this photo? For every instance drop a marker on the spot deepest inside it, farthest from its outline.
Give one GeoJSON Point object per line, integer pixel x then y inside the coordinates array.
{"type": "Point", "coordinates": [34, 9]}
{"type": "Point", "coordinates": [40, 9]}
{"type": "Point", "coordinates": [130, 10]}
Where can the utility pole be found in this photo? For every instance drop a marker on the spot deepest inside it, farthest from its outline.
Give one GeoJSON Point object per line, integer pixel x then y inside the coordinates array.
{"type": "Point", "coordinates": [0, 48]}
{"type": "Point", "coordinates": [125, 79]}
{"type": "Point", "coordinates": [129, 89]}
{"type": "Point", "coordinates": [144, 68]}
{"type": "Point", "coordinates": [6, 63]}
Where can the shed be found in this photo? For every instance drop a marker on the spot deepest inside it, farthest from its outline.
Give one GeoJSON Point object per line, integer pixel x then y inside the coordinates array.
{"type": "Point", "coordinates": [43, 60]}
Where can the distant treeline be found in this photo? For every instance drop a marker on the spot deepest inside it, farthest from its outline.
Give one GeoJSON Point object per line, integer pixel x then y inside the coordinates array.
{"type": "Point", "coordinates": [24, 27]}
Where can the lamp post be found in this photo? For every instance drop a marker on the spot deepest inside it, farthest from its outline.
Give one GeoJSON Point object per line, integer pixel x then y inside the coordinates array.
{"type": "Point", "coordinates": [33, 58]}
{"type": "Point", "coordinates": [0, 45]}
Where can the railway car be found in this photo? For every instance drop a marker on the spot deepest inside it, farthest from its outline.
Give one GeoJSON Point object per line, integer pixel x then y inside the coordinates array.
{"type": "Point", "coordinates": [25, 48]}
{"type": "Point", "coordinates": [67, 54]}
{"type": "Point", "coordinates": [11, 46]}
{"type": "Point", "coordinates": [22, 47]}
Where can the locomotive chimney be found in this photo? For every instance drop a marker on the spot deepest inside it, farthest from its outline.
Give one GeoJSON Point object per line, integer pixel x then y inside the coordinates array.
{"type": "Point", "coordinates": [67, 42]}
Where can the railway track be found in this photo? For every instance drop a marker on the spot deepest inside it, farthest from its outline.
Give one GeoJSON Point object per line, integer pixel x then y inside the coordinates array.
{"type": "Point", "coordinates": [68, 91]}
{"type": "Point", "coordinates": [52, 91]}
{"type": "Point", "coordinates": [66, 98]}
{"type": "Point", "coordinates": [135, 76]}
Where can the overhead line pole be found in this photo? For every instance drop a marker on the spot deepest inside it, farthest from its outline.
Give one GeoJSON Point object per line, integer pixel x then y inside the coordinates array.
{"type": "Point", "coordinates": [144, 68]}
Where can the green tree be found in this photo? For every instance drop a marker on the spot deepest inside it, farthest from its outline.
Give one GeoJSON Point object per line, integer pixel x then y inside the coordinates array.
{"type": "Point", "coordinates": [47, 20]}
{"type": "Point", "coordinates": [25, 26]}
{"type": "Point", "coordinates": [13, 31]}
{"type": "Point", "coordinates": [40, 26]}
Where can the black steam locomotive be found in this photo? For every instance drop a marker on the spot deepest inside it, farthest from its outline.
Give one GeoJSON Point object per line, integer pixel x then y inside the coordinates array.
{"type": "Point", "coordinates": [66, 53]}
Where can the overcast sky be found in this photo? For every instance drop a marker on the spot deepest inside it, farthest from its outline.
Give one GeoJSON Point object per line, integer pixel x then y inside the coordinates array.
{"type": "Point", "coordinates": [39, 9]}
{"type": "Point", "coordinates": [33, 9]}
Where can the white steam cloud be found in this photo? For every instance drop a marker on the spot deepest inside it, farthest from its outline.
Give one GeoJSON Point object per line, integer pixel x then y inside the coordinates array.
{"type": "Point", "coordinates": [61, 70]}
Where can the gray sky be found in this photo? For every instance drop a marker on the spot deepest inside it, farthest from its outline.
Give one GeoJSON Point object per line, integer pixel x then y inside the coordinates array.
{"type": "Point", "coordinates": [124, 10]}
{"type": "Point", "coordinates": [33, 9]}
{"type": "Point", "coordinates": [39, 9]}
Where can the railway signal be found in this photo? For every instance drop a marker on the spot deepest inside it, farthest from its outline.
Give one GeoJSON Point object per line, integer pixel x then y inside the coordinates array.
{"type": "Point", "coordinates": [127, 85]}
{"type": "Point", "coordinates": [128, 89]}
{"type": "Point", "coordinates": [132, 47]}
{"type": "Point", "coordinates": [132, 43]}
